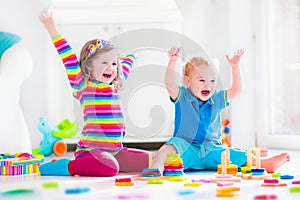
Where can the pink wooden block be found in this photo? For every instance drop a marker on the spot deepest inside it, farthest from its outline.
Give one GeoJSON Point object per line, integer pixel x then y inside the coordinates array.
{"type": "Point", "coordinates": [296, 182]}
{"type": "Point", "coordinates": [222, 184]}
{"type": "Point", "coordinates": [273, 180]}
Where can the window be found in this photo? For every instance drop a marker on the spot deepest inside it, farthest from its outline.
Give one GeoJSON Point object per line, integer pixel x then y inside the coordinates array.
{"type": "Point", "coordinates": [278, 73]}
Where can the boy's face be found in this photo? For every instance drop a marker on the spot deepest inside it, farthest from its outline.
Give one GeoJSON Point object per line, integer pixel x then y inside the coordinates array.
{"type": "Point", "coordinates": [105, 66]}
{"type": "Point", "coordinates": [202, 81]}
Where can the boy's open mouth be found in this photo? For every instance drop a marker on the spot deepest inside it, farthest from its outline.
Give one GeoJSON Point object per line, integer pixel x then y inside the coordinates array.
{"type": "Point", "coordinates": [205, 92]}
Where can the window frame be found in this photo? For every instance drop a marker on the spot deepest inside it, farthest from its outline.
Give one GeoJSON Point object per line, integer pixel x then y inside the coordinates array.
{"type": "Point", "coordinates": [264, 137]}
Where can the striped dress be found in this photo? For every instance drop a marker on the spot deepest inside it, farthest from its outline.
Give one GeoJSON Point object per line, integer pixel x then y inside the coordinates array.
{"type": "Point", "coordinates": [103, 119]}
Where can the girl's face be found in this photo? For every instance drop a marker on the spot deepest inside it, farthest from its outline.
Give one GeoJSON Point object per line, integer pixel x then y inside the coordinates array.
{"type": "Point", "coordinates": [105, 66]}
{"type": "Point", "coordinates": [202, 82]}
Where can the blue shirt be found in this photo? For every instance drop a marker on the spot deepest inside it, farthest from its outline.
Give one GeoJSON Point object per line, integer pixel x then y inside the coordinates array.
{"type": "Point", "coordinates": [199, 123]}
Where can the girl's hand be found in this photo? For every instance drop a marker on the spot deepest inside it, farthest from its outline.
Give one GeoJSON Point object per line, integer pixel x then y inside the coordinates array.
{"type": "Point", "coordinates": [135, 55]}
{"type": "Point", "coordinates": [47, 19]}
{"type": "Point", "coordinates": [174, 53]}
{"type": "Point", "coordinates": [235, 60]}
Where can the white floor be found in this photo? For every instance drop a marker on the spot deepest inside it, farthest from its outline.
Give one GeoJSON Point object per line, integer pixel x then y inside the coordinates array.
{"type": "Point", "coordinates": [104, 188]}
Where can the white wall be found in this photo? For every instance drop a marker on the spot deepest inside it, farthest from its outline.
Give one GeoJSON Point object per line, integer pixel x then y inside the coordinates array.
{"type": "Point", "coordinates": [221, 26]}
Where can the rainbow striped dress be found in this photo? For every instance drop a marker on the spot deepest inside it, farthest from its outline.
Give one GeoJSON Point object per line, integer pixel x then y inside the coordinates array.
{"type": "Point", "coordinates": [103, 119]}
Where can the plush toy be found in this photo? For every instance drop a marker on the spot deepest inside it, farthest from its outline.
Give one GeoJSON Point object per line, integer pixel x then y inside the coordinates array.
{"type": "Point", "coordinates": [53, 135]}
{"type": "Point", "coordinates": [15, 66]}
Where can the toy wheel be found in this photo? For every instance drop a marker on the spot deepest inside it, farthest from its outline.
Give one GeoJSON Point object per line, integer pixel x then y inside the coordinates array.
{"type": "Point", "coordinates": [59, 148]}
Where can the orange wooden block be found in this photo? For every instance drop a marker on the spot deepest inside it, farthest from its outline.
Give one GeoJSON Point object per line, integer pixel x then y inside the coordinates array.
{"type": "Point", "coordinates": [274, 184]}
{"type": "Point", "coordinates": [230, 169]}
{"type": "Point", "coordinates": [124, 183]}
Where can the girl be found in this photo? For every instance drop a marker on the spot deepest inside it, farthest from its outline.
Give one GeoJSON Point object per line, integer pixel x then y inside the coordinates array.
{"type": "Point", "coordinates": [95, 81]}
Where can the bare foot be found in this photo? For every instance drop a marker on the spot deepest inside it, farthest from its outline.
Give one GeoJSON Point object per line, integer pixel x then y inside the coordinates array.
{"type": "Point", "coordinates": [273, 163]}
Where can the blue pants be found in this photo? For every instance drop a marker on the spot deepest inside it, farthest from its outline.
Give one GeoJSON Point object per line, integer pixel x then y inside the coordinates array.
{"type": "Point", "coordinates": [190, 155]}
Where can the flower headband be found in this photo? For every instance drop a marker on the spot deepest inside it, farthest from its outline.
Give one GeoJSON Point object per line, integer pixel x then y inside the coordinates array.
{"type": "Point", "coordinates": [100, 44]}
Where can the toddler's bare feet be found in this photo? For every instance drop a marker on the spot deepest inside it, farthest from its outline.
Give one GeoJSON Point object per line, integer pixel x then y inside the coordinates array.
{"type": "Point", "coordinates": [273, 163]}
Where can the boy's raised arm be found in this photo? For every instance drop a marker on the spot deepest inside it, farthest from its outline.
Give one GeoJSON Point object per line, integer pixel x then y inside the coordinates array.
{"type": "Point", "coordinates": [170, 77]}
{"type": "Point", "coordinates": [237, 81]}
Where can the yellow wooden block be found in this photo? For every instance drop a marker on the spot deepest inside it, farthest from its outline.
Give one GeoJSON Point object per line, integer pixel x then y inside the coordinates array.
{"type": "Point", "coordinates": [246, 169]}
{"type": "Point", "coordinates": [225, 194]}
{"type": "Point", "coordinates": [177, 178]}
{"type": "Point", "coordinates": [227, 189]}
{"type": "Point", "coordinates": [193, 184]}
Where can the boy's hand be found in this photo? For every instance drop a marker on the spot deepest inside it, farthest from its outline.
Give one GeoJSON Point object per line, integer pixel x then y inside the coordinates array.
{"type": "Point", "coordinates": [235, 60]}
{"type": "Point", "coordinates": [174, 54]}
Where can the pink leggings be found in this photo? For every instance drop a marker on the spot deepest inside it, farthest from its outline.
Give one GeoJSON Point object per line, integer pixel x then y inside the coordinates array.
{"type": "Point", "coordinates": [101, 163]}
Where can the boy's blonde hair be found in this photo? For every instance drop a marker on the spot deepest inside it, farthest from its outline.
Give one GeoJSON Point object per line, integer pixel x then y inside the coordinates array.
{"type": "Point", "coordinates": [194, 63]}
{"type": "Point", "coordinates": [86, 59]}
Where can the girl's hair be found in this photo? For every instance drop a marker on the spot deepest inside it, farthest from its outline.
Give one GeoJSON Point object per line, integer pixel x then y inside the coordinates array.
{"type": "Point", "coordinates": [85, 61]}
{"type": "Point", "coordinates": [193, 63]}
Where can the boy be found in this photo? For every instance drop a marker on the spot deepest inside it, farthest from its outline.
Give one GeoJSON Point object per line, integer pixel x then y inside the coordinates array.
{"type": "Point", "coordinates": [198, 106]}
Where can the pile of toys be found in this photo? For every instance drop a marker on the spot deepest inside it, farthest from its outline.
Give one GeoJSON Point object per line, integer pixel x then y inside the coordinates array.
{"type": "Point", "coordinates": [19, 163]}
{"type": "Point", "coordinates": [173, 165]}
